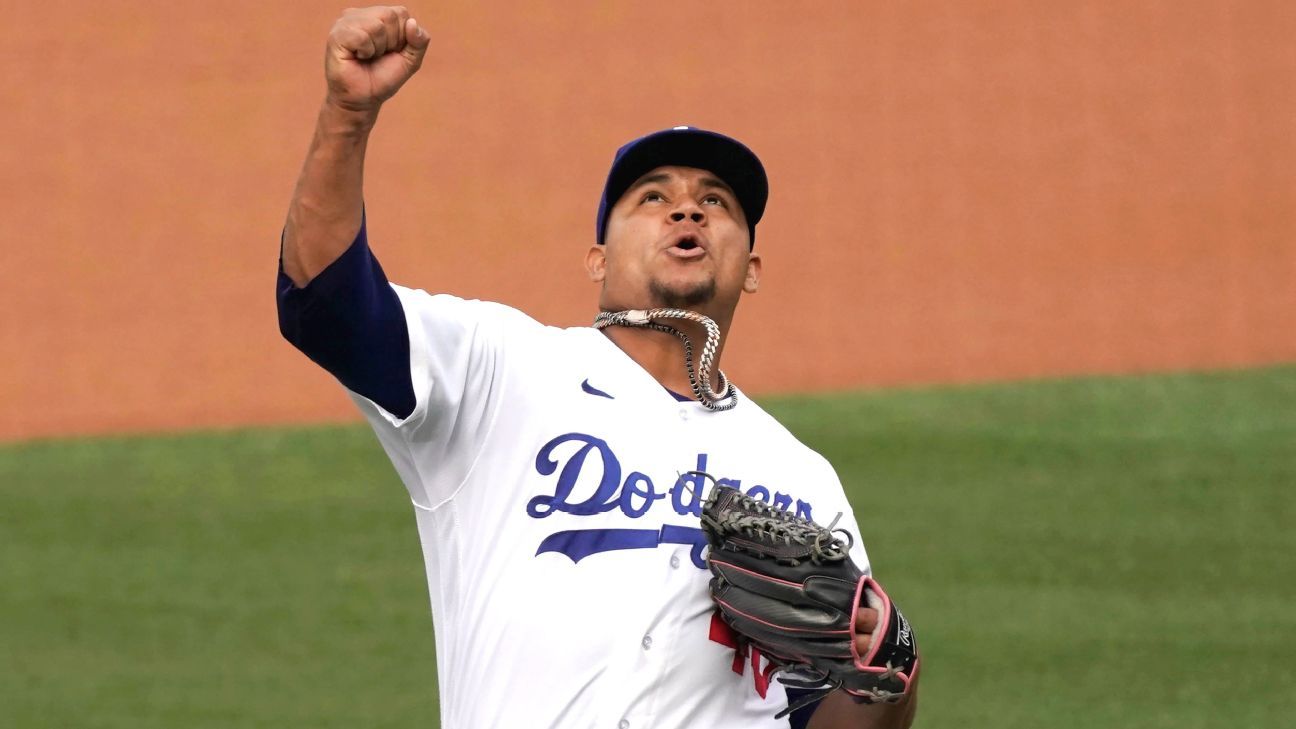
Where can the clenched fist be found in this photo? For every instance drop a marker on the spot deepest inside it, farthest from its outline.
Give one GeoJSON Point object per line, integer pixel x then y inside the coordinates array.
{"type": "Point", "coordinates": [371, 53]}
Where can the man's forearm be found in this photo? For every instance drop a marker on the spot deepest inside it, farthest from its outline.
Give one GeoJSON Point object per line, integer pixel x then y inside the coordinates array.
{"type": "Point", "coordinates": [370, 54]}
{"type": "Point", "coordinates": [324, 215]}
{"type": "Point", "coordinates": [839, 711]}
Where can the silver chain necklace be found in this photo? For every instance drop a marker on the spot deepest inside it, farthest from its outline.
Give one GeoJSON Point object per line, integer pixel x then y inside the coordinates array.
{"type": "Point", "coordinates": [699, 380]}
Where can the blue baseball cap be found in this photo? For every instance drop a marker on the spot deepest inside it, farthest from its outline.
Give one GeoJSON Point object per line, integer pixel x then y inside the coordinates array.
{"type": "Point", "coordinates": [728, 158]}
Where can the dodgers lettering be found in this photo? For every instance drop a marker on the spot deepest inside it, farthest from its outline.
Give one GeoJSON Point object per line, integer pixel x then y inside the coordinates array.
{"type": "Point", "coordinates": [636, 495]}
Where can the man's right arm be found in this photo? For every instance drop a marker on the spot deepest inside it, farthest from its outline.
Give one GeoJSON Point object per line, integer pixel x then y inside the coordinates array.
{"type": "Point", "coordinates": [370, 54]}
{"type": "Point", "coordinates": [335, 304]}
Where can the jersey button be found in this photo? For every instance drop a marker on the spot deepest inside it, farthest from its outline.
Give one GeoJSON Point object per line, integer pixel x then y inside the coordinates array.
{"type": "Point", "coordinates": [674, 561]}
{"type": "Point", "coordinates": [684, 414]}
{"type": "Point", "coordinates": [623, 724]}
{"type": "Point", "coordinates": [647, 642]}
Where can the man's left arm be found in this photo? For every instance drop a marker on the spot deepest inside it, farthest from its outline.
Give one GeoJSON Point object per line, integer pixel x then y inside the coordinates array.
{"type": "Point", "coordinates": [839, 711]}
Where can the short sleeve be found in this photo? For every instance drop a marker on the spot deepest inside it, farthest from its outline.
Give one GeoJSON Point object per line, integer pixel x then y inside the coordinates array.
{"type": "Point", "coordinates": [426, 371]}
{"type": "Point", "coordinates": [348, 320]}
{"type": "Point", "coordinates": [457, 365]}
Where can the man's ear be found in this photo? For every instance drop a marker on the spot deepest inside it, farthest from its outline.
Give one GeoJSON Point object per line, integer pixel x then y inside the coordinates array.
{"type": "Point", "coordinates": [752, 282]}
{"type": "Point", "coordinates": [596, 263]}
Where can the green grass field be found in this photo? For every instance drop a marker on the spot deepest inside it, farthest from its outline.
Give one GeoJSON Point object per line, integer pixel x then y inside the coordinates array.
{"type": "Point", "coordinates": [1087, 553]}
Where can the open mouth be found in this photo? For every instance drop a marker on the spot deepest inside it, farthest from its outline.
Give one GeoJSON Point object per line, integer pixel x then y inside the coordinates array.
{"type": "Point", "coordinates": [686, 243]}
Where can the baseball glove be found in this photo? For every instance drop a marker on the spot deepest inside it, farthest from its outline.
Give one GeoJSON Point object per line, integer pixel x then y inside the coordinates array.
{"type": "Point", "coordinates": [787, 587]}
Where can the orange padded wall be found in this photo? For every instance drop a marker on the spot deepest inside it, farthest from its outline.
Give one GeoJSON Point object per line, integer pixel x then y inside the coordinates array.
{"type": "Point", "coordinates": [960, 191]}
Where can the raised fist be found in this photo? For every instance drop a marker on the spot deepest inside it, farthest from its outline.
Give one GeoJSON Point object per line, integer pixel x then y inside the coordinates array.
{"type": "Point", "coordinates": [371, 53]}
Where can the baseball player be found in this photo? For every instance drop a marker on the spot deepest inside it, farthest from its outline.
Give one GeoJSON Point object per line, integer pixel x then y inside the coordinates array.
{"type": "Point", "coordinates": [558, 475]}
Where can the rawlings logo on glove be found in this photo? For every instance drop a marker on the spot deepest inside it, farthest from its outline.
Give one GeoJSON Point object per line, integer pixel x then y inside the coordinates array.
{"type": "Point", "coordinates": [788, 587]}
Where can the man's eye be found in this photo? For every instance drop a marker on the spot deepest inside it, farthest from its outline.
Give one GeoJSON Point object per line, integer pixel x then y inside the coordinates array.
{"type": "Point", "coordinates": [714, 200]}
{"type": "Point", "coordinates": [652, 197]}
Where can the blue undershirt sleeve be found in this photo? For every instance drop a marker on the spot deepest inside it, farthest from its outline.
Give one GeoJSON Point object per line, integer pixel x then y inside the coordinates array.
{"type": "Point", "coordinates": [349, 321]}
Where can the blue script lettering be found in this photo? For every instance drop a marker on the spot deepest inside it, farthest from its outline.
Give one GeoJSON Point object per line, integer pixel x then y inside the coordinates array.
{"type": "Point", "coordinates": [604, 497]}
{"type": "Point", "coordinates": [803, 510]}
{"type": "Point", "coordinates": [782, 500]}
{"type": "Point", "coordinates": [634, 496]}
{"type": "Point", "coordinates": [637, 484]}
{"type": "Point", "coordinates": [686, 494]}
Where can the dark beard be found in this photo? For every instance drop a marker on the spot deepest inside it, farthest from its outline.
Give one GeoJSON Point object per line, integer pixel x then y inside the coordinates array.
{"type": "Point", "coordinates": [673, 299]}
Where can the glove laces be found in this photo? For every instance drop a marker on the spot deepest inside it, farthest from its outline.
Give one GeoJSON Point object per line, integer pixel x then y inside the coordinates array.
{"type": "Point", "coordinates": [763, 521]}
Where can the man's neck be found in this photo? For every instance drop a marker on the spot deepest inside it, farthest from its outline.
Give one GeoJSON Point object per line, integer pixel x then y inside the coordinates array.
{"type": "Point", "coordinates": [662, 354]}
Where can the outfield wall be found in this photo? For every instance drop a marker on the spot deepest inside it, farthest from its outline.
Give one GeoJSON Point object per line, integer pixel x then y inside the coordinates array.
{"type": "Point", "coordinates": [958, 193]}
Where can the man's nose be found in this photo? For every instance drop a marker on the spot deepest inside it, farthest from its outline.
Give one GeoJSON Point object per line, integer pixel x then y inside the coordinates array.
{"type": "Point", "coordinates": [690, 210]}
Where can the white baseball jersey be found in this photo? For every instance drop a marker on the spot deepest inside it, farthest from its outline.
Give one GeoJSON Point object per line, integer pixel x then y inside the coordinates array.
{"type": "Point", "coordinates": [563, 547]}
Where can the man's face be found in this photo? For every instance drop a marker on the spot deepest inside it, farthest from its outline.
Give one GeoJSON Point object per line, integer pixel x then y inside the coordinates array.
{"type": "Point", "coordinates": [677, 238]}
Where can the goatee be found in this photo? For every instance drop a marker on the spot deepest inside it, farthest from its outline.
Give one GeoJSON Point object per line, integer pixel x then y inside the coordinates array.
{"type": "Point", "coordinates": [681, 297]}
